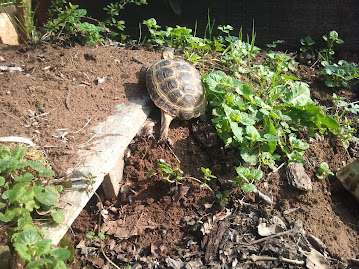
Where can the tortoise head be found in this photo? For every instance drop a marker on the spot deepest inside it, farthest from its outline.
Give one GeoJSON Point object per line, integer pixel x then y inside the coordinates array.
{"type": "Point", "coordinates": [168, 53]}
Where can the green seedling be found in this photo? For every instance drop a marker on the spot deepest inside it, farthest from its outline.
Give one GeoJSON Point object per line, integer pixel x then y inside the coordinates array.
{"type": "Point", "coordinates": [245, 178]}
{"type": "Point", "coordinates": [170, 175]}
{"type": "Point", "coordinates": [323, 170]}
{"type": "Point", "coordinates": [194, 225]}
{"type": "Point", "coordinates": [331, 39]}
{"type": "Point", "coordinates": [307, 44]}
{"type": "Point", "coordinates": [95, 238]}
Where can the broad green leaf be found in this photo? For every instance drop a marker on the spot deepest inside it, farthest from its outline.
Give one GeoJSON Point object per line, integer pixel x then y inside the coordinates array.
{"type": "Point", "coordinates": [298, 95]}
{"type": "Point", "coordinates": [7, 163]}
{"type": "Point", "coordinates": [237, 131]}
{"type": "Point", "coordinates": [252, 133]}
{"type": "Point", "coordinates": [8, 216]}
{"type": "Point", "coordinates": [28, 237]}
{"type": "Point", "coordinates": [40, 263]}
{"type": "Point", "coordinates": [18, 153]}
{"type": "Point", "coordinates": [26, 177]}
{"type": "Point", "coordinates": [44, 246]}
{"type": "Point", "coordinates": [58, 216]}
{"type": "Point", "coordinates": [329, 122]}
{"type": "Point", "coordinates": [271, 137]}
{"type": "Point", "coordinates": [248, 187]}
{"type": "Point", "coordinates": [60, 253]}
{"type": "Point", "coordinates": [23, 220]}
{"type": "Point", "coordinates": [296, 157]}
{"type": "Point", "coordinates": [298, 144]}
{"type": "Point", "coordinates": [256, 174]}
{"type": "Point", "coordinates": [46, 195]}
{"type": "Point", "coordinates": [2, 181]}
{"type": "Point", "coordinates": [243, 172]}
{"type": "Point", "coordinates": [249, 157]}
{"type": "Point", "coordinates": [247, 119]}
{"type": "Point", "coordinates": [218, 81]}
{"type": "Point", "coordinates": [16, 193]}
{"type": "Point", "coordinates": [2, 205]}
{"type": "Point", "coordinates": [44, 171]}
{"type": "Point", "coordinates": [22, 249]}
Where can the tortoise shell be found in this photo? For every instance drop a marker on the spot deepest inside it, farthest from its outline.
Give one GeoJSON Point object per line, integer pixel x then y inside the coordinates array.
{"type": "Point", "coordinates": [175, 87]}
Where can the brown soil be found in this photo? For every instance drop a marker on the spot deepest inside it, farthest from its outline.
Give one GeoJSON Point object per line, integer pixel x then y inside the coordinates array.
{"type": "Point", "coordinates": [157, 224]}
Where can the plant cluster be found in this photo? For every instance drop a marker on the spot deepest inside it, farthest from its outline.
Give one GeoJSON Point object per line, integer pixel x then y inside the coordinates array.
{"type": "Point", "coordinates": [22, 196]}
{"type": "Point", "coordinates": [66, 18]}
{"type": "Point", "coordinates": [338, 74]}
{"type": "Point", "coordinates": [264, 122]}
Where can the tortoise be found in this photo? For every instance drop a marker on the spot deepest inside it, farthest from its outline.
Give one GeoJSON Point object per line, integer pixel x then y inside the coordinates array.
{"type": "Point", "coordinates": [175, 87]}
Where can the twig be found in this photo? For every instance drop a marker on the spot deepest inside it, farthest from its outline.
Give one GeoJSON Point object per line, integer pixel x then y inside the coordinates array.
{"type": "Point", "coordinates": [275, 170]}
{"type": "Point", "coordinates": [268, 237]}
{"type": "Point", "coordinates": [17, 139]}
{"type": "Point", "coordinates": [87, 123]}
{"type": "Point", "coordinates": [256, 258]}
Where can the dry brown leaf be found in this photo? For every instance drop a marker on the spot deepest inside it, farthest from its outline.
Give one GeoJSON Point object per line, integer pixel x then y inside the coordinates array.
{"type": "Point", "coordinates": [315, 260]}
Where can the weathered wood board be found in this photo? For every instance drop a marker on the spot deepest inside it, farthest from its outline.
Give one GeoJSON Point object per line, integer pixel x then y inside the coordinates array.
{"type": "Point", "coordinates": [100, 157]}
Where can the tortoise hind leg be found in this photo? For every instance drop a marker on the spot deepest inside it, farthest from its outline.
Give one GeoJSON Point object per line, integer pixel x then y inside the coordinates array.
{"type": "Point", "coordinates": [165, 124]}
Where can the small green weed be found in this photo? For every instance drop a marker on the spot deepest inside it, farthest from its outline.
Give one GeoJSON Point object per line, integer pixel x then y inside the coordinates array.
{"type": "Point", "coordinates": [170, 175]}
{"type": "Point", "coordinates": [324, 170]}
{"type": "Point", "coordinates": [22, 196]}
{"type": "Point", "coordinates": [344, 113]}
{"type": "Point", "coordinates": [307, 44]}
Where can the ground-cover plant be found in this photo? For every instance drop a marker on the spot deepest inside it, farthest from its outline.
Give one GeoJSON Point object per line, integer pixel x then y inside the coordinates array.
{"type": "Point", "coordinates": [170, 175]}
{"type": "Point", "coordinates": [22, 197]}
{"type": "Point", "coordinates": [335, 74]}
{"type": "Point", "coordinates": [264, 122]}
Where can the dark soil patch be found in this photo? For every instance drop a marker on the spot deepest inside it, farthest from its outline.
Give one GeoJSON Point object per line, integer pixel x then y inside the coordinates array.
{"type": "Point", "coordinates": [153, 223]}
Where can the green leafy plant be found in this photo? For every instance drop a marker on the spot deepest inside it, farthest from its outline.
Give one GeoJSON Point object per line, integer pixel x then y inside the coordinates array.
{"type": "Point", "coordinates": [66, 19]}
{"type": "Point", "coordinates": [22, 196]}
{"type": "Point", "coordinates": [113, 21]}
{"type": "Point", "coordinates": [264, 120]}
{"type": "Point", "coordinates": [307, 44]}
{"type": "Point", "coordinates": [339, 75]}
{"type": "Point", "coordinates": [323, 170]}
{"type": "Point", "coordinates": [170, 175]}
{"type": "Point", "coordinates": [245, 178]}
{"type": "Point", "coordinates": [331, 39]}
{"type": "Point", "coordinates": [346, 115]}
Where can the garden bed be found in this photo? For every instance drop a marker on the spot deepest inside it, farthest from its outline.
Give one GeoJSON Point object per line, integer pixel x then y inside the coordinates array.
{"type": "Point", "coordinates": [63, 92]}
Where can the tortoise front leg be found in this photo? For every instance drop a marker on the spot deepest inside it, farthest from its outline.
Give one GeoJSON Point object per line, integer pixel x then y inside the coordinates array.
{"type": "Point", "coordinates": [165, 125]}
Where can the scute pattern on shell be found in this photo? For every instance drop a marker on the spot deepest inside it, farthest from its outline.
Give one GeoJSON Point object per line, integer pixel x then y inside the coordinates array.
{"type": "Point", "coordinates": [175, 86]}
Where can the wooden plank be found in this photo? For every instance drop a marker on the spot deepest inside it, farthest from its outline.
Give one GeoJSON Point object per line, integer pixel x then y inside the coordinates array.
{"type": "Point", "coordinates": [98, 157]}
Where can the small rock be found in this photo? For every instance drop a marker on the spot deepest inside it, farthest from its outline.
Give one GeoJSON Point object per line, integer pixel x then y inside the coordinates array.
{"type": "Point", "coordinates": [2, 59]}
{"type": "Point", "coordinates": [298, 178]}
